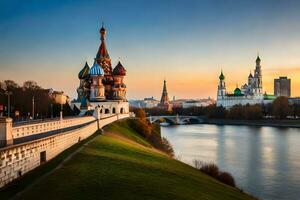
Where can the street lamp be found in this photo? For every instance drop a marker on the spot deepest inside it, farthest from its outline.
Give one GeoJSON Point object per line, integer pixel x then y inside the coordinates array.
{"type": "Point", "coordinates": [33, 107]}
{"type": "Point", "coordinates": [8, 93]}
{"type": "Point", "coordinates": [51, 105]}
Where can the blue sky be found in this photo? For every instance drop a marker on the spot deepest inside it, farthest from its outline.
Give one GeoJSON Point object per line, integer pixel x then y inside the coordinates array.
{"type": "Point", "coordinates": [188, 42]}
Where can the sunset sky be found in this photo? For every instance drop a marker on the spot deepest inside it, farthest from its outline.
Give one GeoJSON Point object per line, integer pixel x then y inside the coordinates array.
{"type": "Point", "coordinates": [188, 42]}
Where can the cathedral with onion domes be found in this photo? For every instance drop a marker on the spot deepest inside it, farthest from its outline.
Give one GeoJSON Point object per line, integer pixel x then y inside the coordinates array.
{"type": "Point", "coordinates": [250, 93]}
{"type": "Point", "coordinates": [101, 84]}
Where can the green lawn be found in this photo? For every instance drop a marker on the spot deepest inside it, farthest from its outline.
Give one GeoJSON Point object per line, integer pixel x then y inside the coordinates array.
{"type": "Point", "coordinates": [112, 168]}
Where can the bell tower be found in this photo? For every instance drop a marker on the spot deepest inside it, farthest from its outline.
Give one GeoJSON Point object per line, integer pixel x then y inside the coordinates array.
{"type": "Point", "coordinates": [221, 86]}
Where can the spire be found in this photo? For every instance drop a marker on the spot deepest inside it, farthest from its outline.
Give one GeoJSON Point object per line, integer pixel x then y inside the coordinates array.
{"type": "Point", "coordinates": [102, 52]}
{"type": "Point", "coordinates": [164, 97]}
{"type": "Point", "coordinates": [102, 56]}
{"type": "Point", "coordinates": [258, 58]}
{"type": "Point", "coordinates": [250, 75]}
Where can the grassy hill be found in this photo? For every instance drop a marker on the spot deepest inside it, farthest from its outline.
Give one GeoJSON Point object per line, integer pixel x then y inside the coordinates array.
{"type": "Point", "coordinates": [122, 165]}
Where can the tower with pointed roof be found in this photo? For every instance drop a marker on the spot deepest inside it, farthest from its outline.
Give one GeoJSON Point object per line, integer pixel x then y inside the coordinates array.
{"type": "Point", "coordinates": [164, 101]}
{"type": "Point", "coordinates": [102, 56]}
{"type": "Point", "coordinates": [221, 86]}
{"type": "Point", "coordinates": [257, 83]}
{"type": "Point", "coordinates": [103, 60]}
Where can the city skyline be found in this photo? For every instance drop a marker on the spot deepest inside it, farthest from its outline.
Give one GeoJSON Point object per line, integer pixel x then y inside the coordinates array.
{"type": "Point", "coordinates": [187, 44]}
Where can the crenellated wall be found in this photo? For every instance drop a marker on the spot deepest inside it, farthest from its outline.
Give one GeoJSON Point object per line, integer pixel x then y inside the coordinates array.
{"type": "Point", "coordinates": [18, 159]}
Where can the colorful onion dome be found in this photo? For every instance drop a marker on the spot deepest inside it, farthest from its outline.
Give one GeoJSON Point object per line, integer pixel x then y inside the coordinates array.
{"type": "Point", "coordinates": [96, 70]}
{"type": "Point", "coordinates": [84, 73]}
{"type": "Point", "coordinates": [119, 70]}
{"type": "Point", "coordinates": [221, 77]}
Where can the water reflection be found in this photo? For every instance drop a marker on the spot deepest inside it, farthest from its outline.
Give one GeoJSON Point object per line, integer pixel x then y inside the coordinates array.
{"type": "Point", "coordinates": [265, 161]}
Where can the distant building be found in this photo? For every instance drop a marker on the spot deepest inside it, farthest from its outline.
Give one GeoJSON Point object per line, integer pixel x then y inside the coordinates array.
{"type": "Point", "coordinates": [294, 100]}
{"type": "Point", "coordinates": [164, 101]}
{"type": "Point", "coordinates": [282, 87]}
{"type": "Point", "coordinates": [197, 103]}
{"type": "Point", "coordinates": [148, 102]}
{"type": "Point", "coordinates": [250, 93]}
{"type": "Point", "coordinates": [177, 103]}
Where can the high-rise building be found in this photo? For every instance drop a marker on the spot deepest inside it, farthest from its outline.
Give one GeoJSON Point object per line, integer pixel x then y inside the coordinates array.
{"type": "Point", "coordinates": [282, 86]}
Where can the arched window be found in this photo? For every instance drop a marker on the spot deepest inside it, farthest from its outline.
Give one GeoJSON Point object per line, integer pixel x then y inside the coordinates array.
{"type": "Point", "coordinates": [114, 110]}
{"type": "Point", "coordinates": [122, 110]}
{"type": "Point", "coordinates": [106, 111]}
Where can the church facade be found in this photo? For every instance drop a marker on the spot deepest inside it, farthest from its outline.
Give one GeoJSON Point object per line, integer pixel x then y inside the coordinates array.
{"type": "Point", "coordinates": [101, 84]}
{"type": "Point", "coordinates": [250, 93]}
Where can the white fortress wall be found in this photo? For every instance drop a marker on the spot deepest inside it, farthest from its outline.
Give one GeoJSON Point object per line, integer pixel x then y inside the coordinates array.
{"type": "Point", "coordinates": [18, 159]}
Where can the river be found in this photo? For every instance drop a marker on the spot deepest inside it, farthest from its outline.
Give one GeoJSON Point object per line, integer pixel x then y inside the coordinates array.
{"type": "Point", "coordinates": [265, 161]}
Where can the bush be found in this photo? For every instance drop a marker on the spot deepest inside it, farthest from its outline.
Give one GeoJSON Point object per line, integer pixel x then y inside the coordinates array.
{"type": "Point", "coordinates": [212, 170]}
{"type": "Point", "coordinates": [226, 178]}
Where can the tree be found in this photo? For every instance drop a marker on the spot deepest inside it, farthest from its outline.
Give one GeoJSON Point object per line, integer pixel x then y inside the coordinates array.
{"type": "Point", "coordinates": [31, 85]}
{"type": "Point", "coordinates": [140, 113]}
{"type": "Point", "coordinates": [10, 85]}
{"type": "Point", "coordinates": [280, 107]}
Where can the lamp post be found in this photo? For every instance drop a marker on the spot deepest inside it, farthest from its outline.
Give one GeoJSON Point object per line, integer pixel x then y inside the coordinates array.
{"type": "Point", "coordinates": [51, 105]}
{"type": "Point", "coordinates": [8, 93]}
{"type": "Point", "coordinates": [61, 106]}
{"type": "Point", "coordinates": [33, 107]}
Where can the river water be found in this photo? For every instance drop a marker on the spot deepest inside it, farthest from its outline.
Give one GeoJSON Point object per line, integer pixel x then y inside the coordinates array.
{"type": "Point", "coordinates": [264, 161]}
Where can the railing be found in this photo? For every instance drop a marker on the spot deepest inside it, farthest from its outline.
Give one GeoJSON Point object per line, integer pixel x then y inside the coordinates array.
{"type": "Point", "coordinates": [37, 127]}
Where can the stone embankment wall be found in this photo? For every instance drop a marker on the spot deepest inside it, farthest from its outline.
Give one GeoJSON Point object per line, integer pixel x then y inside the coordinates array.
{"type": "Point", "coordinates": [16, 160]}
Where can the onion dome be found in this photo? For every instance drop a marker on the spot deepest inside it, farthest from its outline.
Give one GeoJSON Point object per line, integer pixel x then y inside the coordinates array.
{"type": "Point", "coordinates": [222, 77]}
{"type": "Point", "coordinates": [237, 92]}
{"type": "Point", "coordinates": [96, 70]}
{"type": "Point", "coordinates": [119, 70]}
{"type": "Point", "coordinates": [84, 73]}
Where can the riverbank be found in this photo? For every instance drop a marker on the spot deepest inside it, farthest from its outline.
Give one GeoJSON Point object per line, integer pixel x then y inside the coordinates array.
{"type": "Point", "coordinates": [120, 164]}
{"type": "Point", "coordinates": [288, 123]}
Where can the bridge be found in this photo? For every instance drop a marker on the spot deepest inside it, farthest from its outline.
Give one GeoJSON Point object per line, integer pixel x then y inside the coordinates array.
{"type": "Point", "coordinates": [176, 119]}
